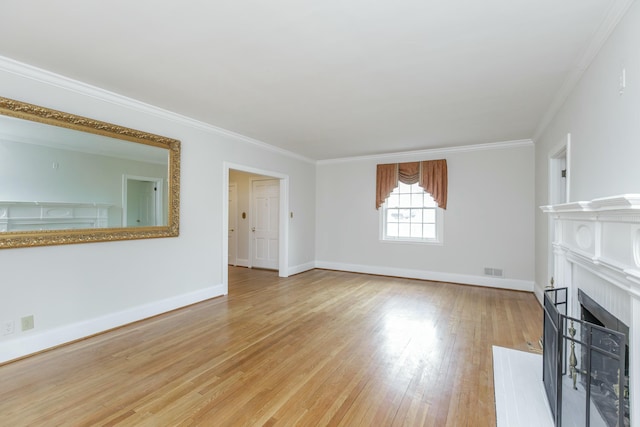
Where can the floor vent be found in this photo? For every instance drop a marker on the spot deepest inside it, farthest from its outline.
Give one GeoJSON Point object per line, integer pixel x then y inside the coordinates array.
{"type": "Point", "coordinates": [493, 272]}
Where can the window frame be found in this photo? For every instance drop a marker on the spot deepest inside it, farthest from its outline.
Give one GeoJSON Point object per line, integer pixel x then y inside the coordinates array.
{"type": "Point", "coordinates": [439, 224]}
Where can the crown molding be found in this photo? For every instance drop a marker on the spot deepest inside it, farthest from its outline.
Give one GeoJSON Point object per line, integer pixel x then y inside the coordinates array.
{"type": "Point", "coordinates": [433, 151]}
{"type": "Point", "coordinates": [617, 11]}
{"type": "Point", "coordinates": [47, 77]}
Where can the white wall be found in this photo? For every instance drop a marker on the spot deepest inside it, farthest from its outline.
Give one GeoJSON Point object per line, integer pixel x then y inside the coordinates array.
{"type": "Point", "coordinates": [77, 290]}
{"type": "Point", "coordinates": [605, 132]}
{"type": "Point", "coordinates": [488, 221]}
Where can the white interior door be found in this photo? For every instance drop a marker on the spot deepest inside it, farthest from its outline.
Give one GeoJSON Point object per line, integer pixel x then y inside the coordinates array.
{"type": "Point", "coordinates": [265, 223]}
{"type": "Point", "coordinates": [233, 224]}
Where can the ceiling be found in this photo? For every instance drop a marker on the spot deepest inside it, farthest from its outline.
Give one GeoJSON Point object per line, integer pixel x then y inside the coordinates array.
{"type": "Point", "coordinates": [324, 79]}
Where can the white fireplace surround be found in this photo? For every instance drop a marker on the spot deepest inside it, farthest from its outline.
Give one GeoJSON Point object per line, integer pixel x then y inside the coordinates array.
{"type": "Point", "coordinates": [596, 248]}
{"type": "Point", "coordinates": [36, 216]}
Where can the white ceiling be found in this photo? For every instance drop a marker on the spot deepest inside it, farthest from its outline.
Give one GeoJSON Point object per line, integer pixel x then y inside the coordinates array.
{"type": "Point", "coordinates": [324, 78]}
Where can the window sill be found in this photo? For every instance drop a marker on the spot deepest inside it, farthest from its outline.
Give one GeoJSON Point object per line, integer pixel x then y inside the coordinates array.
{"type": "Point", "coordinates": [413, 242]}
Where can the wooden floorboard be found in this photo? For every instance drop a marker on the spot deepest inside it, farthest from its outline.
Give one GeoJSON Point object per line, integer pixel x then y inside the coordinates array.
{"type": "Point", "coordinates": [321, 348]}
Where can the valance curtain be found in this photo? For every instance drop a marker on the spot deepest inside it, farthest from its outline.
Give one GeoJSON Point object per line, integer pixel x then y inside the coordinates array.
{"type": "Point", "coordinates": [431, 175]}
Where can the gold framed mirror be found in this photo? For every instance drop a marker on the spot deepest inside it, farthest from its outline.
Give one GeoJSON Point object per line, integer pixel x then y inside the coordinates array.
{"type": "Point", "coordinates": [71, 179]}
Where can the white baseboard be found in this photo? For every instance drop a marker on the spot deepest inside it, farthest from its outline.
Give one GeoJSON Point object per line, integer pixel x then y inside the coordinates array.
{"type": "Point", "coordinates": [241, 262]}
{"type": "Point", "coordinates": [490, 282]}
{"type": "Point", "coordinates": [33, 343]}
{"type": "Point", "coordinates": [297, 269]}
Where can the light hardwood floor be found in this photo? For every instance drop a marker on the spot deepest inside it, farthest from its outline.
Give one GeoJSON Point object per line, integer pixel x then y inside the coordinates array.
{"type": "Point", "coordinates": [319, 348]}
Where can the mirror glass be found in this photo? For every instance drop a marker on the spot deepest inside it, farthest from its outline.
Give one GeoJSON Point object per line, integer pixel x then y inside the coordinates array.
{"type": "Point", "coordinates": [70, 179]}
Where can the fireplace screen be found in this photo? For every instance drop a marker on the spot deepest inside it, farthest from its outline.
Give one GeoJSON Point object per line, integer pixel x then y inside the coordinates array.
{"type": "Point", "coordinates": [584, 367]}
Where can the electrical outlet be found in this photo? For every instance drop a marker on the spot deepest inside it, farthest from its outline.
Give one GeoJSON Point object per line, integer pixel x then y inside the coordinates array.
{"type": "Point", "coordinates": [8, 327]}
{"type": "Point", "coordinates": [27, 323]}
{"type": "Point", "coordinates": [622, 81]}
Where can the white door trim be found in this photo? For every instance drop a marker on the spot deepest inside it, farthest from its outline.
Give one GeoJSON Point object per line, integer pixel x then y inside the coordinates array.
{"type": "Point", "coordinates": [559, 157]}
{"type": "Point", "coordinates": [283, 234]}
{"type": "Point", "coordinates": [234, 237]}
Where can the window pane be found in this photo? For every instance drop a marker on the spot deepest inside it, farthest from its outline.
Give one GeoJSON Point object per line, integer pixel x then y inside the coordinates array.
{"type": "Point", "coordinates": [417, 200]}
{"type": "Point", "coordinates": [410, 213]}
{"type": "Point", "coordinates": [416, 216]}
{"type": "Point", "coordinates": [429, 231]}
{"type": "Point", "coordinates": [393, 201]}
{"type": "Point", "coordinates": [403, 188]}
{"type": "Point", "coordinates": [429, 202]}
{"type": "Point", "coordinates": [430, 216]}
{"type": "Point", "coordinates": [405, 215]}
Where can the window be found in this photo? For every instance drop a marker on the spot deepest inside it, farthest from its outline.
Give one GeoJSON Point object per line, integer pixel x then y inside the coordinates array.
{"type": "Point", "coordinates": [411, 215]}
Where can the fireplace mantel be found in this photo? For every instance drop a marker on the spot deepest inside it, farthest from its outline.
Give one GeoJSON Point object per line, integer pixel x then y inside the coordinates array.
{"type": "Point", "coordinates": [603, 236]}
{"type": "Point", "coordinates": [596, 248]}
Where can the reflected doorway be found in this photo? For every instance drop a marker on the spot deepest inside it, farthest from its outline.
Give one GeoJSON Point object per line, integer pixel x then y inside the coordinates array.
{"type": "Point", "coordinates": [142, 200]}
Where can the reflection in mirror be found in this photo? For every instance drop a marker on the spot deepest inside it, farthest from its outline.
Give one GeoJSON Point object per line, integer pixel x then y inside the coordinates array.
{"type": "Point", "coordinates": [69, 179]}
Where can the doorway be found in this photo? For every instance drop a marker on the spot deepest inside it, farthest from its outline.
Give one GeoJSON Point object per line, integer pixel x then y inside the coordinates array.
{"type": "Point", "coordinates": [559, 173]}
{"type": "Point", "coordinates": [275, 250]}
{"type": "Point", "coordinates": [559, 191]}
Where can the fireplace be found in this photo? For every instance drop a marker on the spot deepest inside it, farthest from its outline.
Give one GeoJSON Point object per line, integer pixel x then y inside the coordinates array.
{"type": "Point", "coordinates": [584, 365]}
{"type": "Point", "coordinates": [609, 396]}
{"type": "Point", "coordinates": [607, 377]}
{"type": "Point", "coordinates": [592, 318]}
